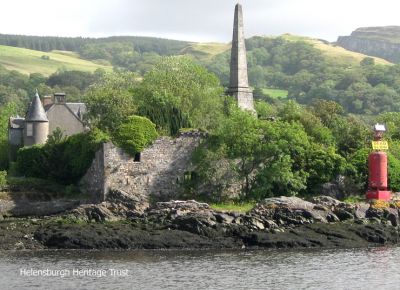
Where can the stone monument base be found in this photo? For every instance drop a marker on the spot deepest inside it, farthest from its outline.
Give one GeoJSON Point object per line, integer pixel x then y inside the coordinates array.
{"type": "Point", "coordinates": [244, 97]}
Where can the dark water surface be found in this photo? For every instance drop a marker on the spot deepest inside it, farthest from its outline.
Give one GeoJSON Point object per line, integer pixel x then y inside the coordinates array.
{"type": "Point", "coordinates": [376, 268]}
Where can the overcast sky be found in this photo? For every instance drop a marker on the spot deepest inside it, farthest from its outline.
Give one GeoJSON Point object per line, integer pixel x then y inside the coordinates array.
{"type": "Point", "coordinates": [194, 20]}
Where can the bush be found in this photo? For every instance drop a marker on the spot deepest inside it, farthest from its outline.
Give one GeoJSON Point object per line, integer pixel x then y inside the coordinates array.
{"type": "Point", "coordinates": [394, 172]}
{"type": "Point", "coordinates": [30, 161]}
{"type": "Point", "coordinates": [3, 180]}
{"type": "Point", "coordinates": [65, 161]}
{"type": "Point", "coordinates": [135, 134]}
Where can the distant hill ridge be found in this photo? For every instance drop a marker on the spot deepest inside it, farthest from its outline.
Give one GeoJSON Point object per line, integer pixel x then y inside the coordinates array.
{"type": "Point", "coordinates": [46, 54]}
{"type": "Point", "coordinates": [381, 41]}
{"type": "Point", "coordinates": [48, 43]}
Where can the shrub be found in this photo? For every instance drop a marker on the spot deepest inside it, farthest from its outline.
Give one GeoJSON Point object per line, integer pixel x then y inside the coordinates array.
{"type": "Point", "coordinates": [3, 180]}
{"type": "Point", "coordinates": [394, 172]}
{"type": "Point", "coordinates": [379, 204]}
{"type": "Point", "coordinates": [65, 161]}
{"type": "Point", "coordinates": [135, 134]}
{"type": "Point", "coordinates": [30, 161]}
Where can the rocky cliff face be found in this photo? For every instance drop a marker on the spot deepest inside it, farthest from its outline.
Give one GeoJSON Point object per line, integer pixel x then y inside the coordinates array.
{"type": "Point", "coordinates": [381, 42]}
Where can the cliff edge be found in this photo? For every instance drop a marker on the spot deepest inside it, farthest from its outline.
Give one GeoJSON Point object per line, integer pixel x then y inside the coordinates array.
{"type": "Point", "coordinates": [383, 42]}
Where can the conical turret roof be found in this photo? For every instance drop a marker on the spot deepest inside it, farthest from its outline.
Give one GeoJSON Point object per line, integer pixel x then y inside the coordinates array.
{"type": "Point", "coordinates": [36, 111]}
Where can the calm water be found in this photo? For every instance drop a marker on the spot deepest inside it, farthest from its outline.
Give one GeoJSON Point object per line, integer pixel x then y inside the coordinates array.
{"type": "Point", "coordinates": [377, 268]}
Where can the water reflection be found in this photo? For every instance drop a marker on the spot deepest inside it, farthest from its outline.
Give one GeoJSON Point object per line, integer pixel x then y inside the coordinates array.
{"type": "Point", "coordinates": [374, 268]}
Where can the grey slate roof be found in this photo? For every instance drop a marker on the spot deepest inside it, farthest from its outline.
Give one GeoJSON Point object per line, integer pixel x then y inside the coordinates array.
{"type": "Point", "coordinates": [79, 109]}
{"type": "Point", "coordinates": [36, 111]}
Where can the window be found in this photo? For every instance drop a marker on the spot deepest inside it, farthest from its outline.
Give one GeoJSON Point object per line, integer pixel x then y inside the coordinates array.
{"type": "Point", "coordinates": [190, 176]}
{"type": "Point", "coordinates": [137, 157]}
{"type": "Point", "coordinates": [29, 129]}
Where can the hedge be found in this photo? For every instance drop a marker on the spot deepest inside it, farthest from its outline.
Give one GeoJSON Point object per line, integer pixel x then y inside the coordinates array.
{"type": "Point", "coordinates": [64, 162]}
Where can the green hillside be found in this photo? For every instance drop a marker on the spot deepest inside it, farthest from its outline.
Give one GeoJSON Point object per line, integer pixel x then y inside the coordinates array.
{"type": "Point", "coordinates": [206, 51]}
{"type": "Point", "coordinates": [339, 54]}
{"type": "Point", "coordinates": [28, 61]}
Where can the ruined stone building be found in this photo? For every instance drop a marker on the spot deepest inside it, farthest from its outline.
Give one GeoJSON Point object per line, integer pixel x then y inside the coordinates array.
{"type": "Point", "coordinates": [43, 117]}
{"type": "Point", "coordinates": [160, 171]}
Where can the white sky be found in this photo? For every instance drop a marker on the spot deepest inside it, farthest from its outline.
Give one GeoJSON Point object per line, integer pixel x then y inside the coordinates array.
{"type": "Point", "coordinates": [195, 20]}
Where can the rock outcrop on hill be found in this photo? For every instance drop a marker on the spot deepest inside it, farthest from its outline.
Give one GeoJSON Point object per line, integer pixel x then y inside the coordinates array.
{"type": "Point", "coordinates": [383, 42]}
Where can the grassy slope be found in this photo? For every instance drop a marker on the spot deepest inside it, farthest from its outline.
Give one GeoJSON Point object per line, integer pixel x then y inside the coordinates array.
{"type": "Point", "coordinates": [206, 51]}
{"type": "Point", "coordinates": [336, 53]}
{"type": "Point", "coordinates": [29, 61]}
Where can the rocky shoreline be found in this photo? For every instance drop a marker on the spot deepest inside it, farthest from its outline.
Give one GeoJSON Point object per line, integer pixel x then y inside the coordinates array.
{"type": "Point", "coordinates": [284, 222]}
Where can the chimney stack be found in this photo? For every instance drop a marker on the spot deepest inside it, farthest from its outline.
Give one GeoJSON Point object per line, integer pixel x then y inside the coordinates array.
{"type": "Point", "coordinates": [59, 98]}
{"type": "Point", "coordinates": [47, 100]}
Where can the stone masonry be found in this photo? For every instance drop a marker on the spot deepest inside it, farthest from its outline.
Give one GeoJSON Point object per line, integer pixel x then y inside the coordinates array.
{"type": "Point", "coordinates": [239, 83]}
{"type": "Point", "coordinates": [159, 172]}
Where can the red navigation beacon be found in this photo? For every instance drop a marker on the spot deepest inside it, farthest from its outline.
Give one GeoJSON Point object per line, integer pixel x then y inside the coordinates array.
{"type": "Point", "coordinates": [377, 167]}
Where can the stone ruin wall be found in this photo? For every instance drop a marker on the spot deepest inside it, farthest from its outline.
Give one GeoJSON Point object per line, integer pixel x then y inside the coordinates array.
{"type": "Point", "coordinates": [160, 171]}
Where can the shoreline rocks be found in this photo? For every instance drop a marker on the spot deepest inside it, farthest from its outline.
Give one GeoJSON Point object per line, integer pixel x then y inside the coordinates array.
{"type": "Point", "coordinates": [281, 222]}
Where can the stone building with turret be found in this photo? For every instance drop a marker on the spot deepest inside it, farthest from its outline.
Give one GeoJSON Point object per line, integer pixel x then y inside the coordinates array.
{"type": "Point", "coordinates": [42, 119]}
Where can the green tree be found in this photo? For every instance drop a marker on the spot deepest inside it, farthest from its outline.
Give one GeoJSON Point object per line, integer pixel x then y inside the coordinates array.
{"type": "Point", "coordinates": [135, 134]}
{"type": "Point", "coordinates": [240, 133]}
{"type": "Point", "coordinates": [182, 84]}
{"type": "Point", "coordinates": [110, 100]}
{"type": "Point", "coordinates": [8, 110]}
{"type": "Point", "coordinates": [351, 134]}
{"type": "Point", "coordinates": [394, 172]}
{"type": "Point", "coordinates": [323, 165]}
{"type": "Point", "coordinates": [256, 146]}
{"type": "Point", "coordinates": [293, 112]}
{"type": "Point", "coordinates": [392, 122]}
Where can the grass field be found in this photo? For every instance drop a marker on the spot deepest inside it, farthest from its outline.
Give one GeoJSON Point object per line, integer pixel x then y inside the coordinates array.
{"type": "Point", "coordinates": [206, 50]}
{"type": "Point", "coordinates": [336, 53]}
{"type": "Point", "coordinates": [275, 93]}
{"type": "Point", "coordinates": [28, 61]}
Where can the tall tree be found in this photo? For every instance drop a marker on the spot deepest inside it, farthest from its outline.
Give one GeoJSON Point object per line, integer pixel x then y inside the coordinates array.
{"type": "Point", "coordinates": [189, 87]}
{"type": "Point", "coordinates": [110, 101]}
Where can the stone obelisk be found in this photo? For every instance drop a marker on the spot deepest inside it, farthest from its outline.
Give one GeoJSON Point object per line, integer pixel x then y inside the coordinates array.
{"type": "Point", "coordinates": [239, 83]}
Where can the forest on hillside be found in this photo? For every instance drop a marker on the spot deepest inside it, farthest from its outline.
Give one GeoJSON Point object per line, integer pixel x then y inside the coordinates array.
{"type": "Point", "coordinates": [276, 63]}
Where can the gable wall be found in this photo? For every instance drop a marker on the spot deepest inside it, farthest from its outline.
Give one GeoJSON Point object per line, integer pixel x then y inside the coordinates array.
{"type": "Point", "coordinates": [60, 116]}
